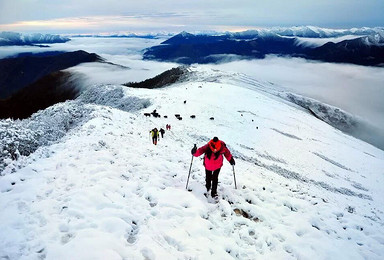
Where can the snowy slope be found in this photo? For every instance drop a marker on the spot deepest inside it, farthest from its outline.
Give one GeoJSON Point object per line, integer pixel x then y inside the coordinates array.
{"type": "Point", "coordinates": [104, 191]}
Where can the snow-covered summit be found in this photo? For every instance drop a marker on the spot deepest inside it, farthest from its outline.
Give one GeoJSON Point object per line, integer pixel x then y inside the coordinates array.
{"type": "Point", "coordinates": [14, 38]}
{"type": "Point", "coordinates": [124, 34]}
{"type": "Point", "coordinates": [375, 39]}
{"type": "Point", "coordinates": [318, 32]}
{"type": "Point", "coordinates": [104, 191]}
{"type": "Point", "coordinates": [308, 32]}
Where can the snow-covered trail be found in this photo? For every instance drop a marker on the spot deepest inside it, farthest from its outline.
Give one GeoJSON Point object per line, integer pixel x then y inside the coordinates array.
{"type": "Point", "coordinates": [305, 190]}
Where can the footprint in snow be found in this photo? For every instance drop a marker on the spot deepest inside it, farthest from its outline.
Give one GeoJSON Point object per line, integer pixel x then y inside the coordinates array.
{"type": "Point", "coordinates": [67, 237]}
{"type": "Point", "coordinates": [174, 243]}
{"type": "Point", "coordinates": [132, 235]}
{"type": "Point", "coordinates": [148, 254]}
{"type": "Point", "coordinates": [22, 206]}
{"type": "Point", "coordinates": [151, 201]}
{"type": "Point", "coordinates": [240, 212]}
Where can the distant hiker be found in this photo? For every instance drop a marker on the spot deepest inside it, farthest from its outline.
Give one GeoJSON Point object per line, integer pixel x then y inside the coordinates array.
{"type": "Point", "coordinates": [213, 161]}
{"type": "Point", "coordinates": [168, 127]}
{"type": "Point", "coordinates": [162, 131]}
{"type": "Point", "coordinates": [155, 134]}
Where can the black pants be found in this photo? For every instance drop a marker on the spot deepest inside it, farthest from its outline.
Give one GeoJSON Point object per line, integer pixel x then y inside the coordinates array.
{"type": "Point", "coordinates": [212, 177]}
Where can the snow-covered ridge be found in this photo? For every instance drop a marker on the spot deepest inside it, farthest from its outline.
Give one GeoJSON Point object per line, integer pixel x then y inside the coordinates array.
{"type": "Point", "coordinates": [104, 191]}
{"type": "Point", "coordinates": [308, 35]}
{"type": "Point", "coordinates": [339, 119]}
{"type": "Point", "coordinates": [309, 32]}
{"type": "Point", "coordinates": [334, 116]}
{"type": "Point", "coordinates": [14, 38]}
{"type": "Point", "coordinates": [121, 34]}
{"type": "Point", "coordinates": [20, 138]}
{"type": "Point", "coordinates": [375, 39]}
{"type": "Point", "coordinates": [296, 31]}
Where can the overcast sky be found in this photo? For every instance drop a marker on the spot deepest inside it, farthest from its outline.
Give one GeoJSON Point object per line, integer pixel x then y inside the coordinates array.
{"type": "Point", "coordinates": [143, 16]}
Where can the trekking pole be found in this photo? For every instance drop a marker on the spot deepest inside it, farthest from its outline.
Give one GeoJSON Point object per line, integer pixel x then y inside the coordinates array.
{"type": "Point", "coordinates": [186, 186]}
{"type": "Point", "coordinates": [234, 176]}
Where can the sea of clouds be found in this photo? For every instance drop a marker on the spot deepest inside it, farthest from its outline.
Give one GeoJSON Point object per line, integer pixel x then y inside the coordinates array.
{"type": "Point", "coordinates": [358, 90]}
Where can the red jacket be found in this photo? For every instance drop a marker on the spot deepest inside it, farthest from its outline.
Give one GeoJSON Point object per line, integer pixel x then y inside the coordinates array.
{"type": "Point", "coordinates": [214, 163]}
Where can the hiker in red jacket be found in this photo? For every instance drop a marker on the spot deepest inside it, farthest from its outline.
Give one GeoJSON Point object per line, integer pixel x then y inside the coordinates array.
{"type": "Point", "coordinates": [213, 161]}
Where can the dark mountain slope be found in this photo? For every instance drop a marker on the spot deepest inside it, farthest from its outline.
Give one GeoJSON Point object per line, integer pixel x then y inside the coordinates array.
{"type": "Point", "coordinates": [355, 51]}
{"type": "Point", "coordinates": [210, 50]}
{"type": "Point", "coordinates": [188, 48]}
{"type": "Point", "coordinates": [51, 89]}
{"type": "Point", "coordinates": [164, 79]}
{"type": "Point", "coordinates": [17, 73]}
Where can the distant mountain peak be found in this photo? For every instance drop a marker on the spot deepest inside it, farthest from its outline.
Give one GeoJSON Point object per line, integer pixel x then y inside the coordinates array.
{"type": "Point", "coordinates": [362, 46]}
{"type": "Point", "coordinates": [185, 34]}
{"type": "Point", "coordinates": [14, 38]}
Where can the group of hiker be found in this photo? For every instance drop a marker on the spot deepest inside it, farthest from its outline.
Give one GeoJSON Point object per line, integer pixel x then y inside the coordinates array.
{"type": "Point", "coordinates": [155, 134]}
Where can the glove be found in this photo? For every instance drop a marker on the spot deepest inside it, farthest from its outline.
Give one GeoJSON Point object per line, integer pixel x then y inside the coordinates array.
{"type": "Point", "coordinates": [232, 161]}
{"type": "Point", "coordinates": [193, 151]}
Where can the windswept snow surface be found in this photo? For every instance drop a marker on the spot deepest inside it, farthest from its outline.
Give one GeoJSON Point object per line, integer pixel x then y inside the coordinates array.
{"type": "Point", "coordinates": [104, 191]}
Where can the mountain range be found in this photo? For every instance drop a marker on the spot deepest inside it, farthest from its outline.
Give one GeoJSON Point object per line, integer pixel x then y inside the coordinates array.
{"type": "Point", "coordinates": [190, 48]}
{"type": "Point", "coordinates": [14, 38]}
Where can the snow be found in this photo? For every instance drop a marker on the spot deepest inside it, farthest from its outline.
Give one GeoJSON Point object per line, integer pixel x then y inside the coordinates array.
{"type": "Point", "coordinates": [14, 38]}
{"type": "Point", "coordinates": [101, 46]}
{"type": "Point", "coordinates": [311, 34]}
{"type": "Point", "coordinates": [104, 191]}
{"type": "Point", "coordinates": [375, 39]}
{"type": "Point", "coordinates": [317, 42]}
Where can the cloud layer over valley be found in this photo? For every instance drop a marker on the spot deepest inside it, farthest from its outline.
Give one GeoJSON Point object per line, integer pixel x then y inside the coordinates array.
{"type": "Point", "coordinates": [355, 89]}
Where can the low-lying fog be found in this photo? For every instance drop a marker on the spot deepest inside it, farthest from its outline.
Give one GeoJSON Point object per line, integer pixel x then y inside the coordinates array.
{"type": "Point", "coordinates": [358, 90]}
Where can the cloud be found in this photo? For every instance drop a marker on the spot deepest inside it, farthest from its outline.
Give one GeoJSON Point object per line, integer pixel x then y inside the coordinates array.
{"type": "Point", "coordinates": [174, 16]}
{"type": "Point", "coordinates": [99, 24]}
{"type": "Point", "coordinates": [124, 52]}
{"type": "Point", "coordinates": [316, 42]}
{"type": "Point", "coordinates": [356, 89]}
{"type": "Point", "coordinates": [136, 71]}
{"type": "Point", "coordinates": [101, 46]}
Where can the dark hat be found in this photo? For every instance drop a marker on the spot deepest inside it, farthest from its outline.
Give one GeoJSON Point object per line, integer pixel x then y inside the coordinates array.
{"type": "Point", "coordinates": [215, 139]}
